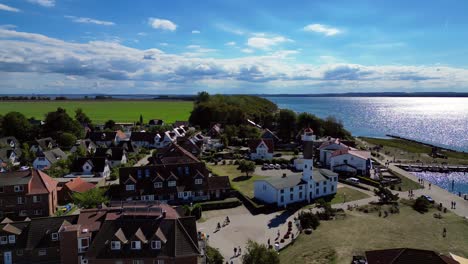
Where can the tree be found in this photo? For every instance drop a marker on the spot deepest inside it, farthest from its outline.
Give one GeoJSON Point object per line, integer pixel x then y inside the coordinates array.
{"type": "Point", "coordinates": [110, 124]}
{"type": "Point", "coordinates": [421, 205]}
{"type": "Point", "coordinates": [259, 254]}
{"type": "Point", "coordinates": [385, 195]}
{"type": "Point", "coordinates": [81, 117]}
{"type": "Point", "coordinates": [308, 220]}
{"type": "Point", "coordinates": [60, 122]}
{"type": "Point", "coordinates": [26, 155]}
{"type": "Point", "coordinates": [306, 120]}
{"type": "Point", "coordinates": [66, 140]}
{"type": "Point", "coordinates": [202, 97]}
{"type": "Point", "coordinates": [286, 124]}
{"type": "Point", "coordinates": [15, 124]}
{"type": "Point", "coordinates": [196, 211]}
{"type": "Point", "coordinates": [213, 256]}
{"type": "Point", "coordinates": [246, 166]}
{"type": "Point", "coordinates": [91, 198]}
{"type": "Point", "coordinates": [334, 128]}
{"type": "Point", "coordinates": [141, 119]}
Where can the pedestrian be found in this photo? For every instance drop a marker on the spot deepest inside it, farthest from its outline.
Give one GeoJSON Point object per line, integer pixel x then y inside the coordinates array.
{"type": "Point", "coordinates": [430, 186]}
{"type": "Point", "coordinates": [268, 241]}
{"type": "Point", "coordinates": [444, 233]}
{"type": "Point", "coordinates": [240, 251]}
{"type": "Point", "coordinates": [235, 251]}
{"type": "Point", "coordinates": [451, 204]}
{"type": "Point", "coordinates": [454, 205]}
{"type": "Point", "coordinates": [278, 233]}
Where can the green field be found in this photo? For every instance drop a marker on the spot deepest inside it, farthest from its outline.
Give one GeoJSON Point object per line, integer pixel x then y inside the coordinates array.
{"type": "Point", "coordinates": [101, 111]}
{"type": "Point", "coordinates": [337, 241]}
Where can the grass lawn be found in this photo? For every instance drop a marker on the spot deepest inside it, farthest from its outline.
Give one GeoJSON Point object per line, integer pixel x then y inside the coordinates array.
{"type": "Point", "coordinates": [407, 184]}
{"type": "Point", "coordinates": [237, 178]}
{"type": "Point", "coordinates": [409, 150]}
{"type": "Point", "coordinates": [350, 194]}
{"type": "Point", "coordinates": [337, 241]}
{"type": "Point", "coordinates": [101, 111]}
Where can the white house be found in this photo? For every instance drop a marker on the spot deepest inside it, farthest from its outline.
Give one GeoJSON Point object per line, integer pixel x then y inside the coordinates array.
{"type": "Point", "coordinates": [261, 148]}
{"type": "Point", "coordinates": [351, 161]}
{"type": "Point", "coordinates": [10, 155]}
{"type": "Point", "coordinates": [115, 156]}
{"type": "Point", "coordinates": [327, 148]}
{"type": "Point", "coordinates": [46, 159]}
{"type": "Point", "coordinates": [299, 187]}
{"type": "Point", "coordinates": [179, 131]}
{"type": "Point", "coordinates": [165, 139]}
{"type": "Point", "coordinates": [90, 167]}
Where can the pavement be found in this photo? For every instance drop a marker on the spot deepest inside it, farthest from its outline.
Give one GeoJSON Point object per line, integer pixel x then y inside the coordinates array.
{"type": "Point", "coordinates": [144, 160]}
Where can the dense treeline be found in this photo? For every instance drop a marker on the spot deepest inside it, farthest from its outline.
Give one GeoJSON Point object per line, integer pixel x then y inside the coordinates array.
{"type": "Point", "coordinates": [233, 110]}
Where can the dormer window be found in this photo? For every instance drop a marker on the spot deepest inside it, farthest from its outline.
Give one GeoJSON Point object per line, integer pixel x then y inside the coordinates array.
{"type": "Point", "coordinates": [171, 183]}
{"type": "Point", "coordinates": [136, 245]}
{"type": "Point", "coordinates": [158, 185]}
{"type": "Point", "coordinates": [11, 239]}
{"type": "Point", "coordinates": [55, 236]}
{"type": "Point", "coordinates": [198, 181]}
{"type": "Point", "coordinates": [18, 188]}
{"type": "Point", "coordinates": [115, 245]}
{"type": "Point", "coordinates": [147, 173]}
{"type": "Point", "coordinates": [130, 187]}
{"type": "Point", "coordinates": [156, 244]}
{"type": "Point", "coordinates": [3, 240]}
{"type": "Point", "coordinates": [139, 174]}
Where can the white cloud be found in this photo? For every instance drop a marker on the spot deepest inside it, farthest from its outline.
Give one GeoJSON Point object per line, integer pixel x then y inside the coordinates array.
{"type": "Point", "coordinates": [45, 3]}
{"type": "Point", "coordinates": [32, 62]}
{"type": "Point", "coordinates": [230, 29]}
{"type": "Point", "coordinates": [196, 32]}
{"type": "Point", "coordinates": [87, 20]}
{"type": "Point", "coordinates": [324, 29]}
{"type": "Point", "coordinates": [8, 8]}
{"type": "Point", "coordinates": [7, 26]}
{"type": "Point", "coordinates": [230, 43]}
{"type": "Point", "coordinates": [142, 34]}
{"type": "Point", "coordinates": [163, 44]}
{"type": "Point", "coordinates": [263, 42]}
{"type": "Point", "coordinates": [162, 24]}
{"type": "Point", "coordinates": [193, 47]}
{"type": "Point", "coordinates": [247, 50]}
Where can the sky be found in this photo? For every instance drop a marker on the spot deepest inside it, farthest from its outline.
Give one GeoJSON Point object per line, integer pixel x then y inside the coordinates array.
{"type": "Point", "coordinates": [232, 46]}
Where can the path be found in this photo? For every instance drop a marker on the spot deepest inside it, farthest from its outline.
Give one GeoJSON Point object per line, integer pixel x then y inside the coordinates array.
{"type": "Point", "coordinates": [143, 161]}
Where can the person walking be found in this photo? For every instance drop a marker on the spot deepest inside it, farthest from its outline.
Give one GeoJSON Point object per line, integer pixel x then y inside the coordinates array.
{"type": "Point", "coordinates": [454, 205]}
{"type": "Point", "coordinates": [430, 186]}
{"type": "Point", "coordinates": [235, 251]}
{"type": "Point", "coordinates": [444, 232]}
{"type": "Point", "coordinates": [240, 251]}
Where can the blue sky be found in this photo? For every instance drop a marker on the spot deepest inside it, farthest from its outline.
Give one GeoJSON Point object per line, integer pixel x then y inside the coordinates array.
{"type": "Point", "coordinates": [87, 46]}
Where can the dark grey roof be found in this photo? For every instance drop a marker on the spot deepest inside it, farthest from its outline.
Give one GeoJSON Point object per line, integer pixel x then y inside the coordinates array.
{"type": "Point", "coordinates": [44, 142]}
{"type": "Point", "coordinates": [5, 153]}
{"type": "Point", "coordinates": [110, 153]}
{"type": "Point", "coordinates": [54, 155]}
{"type": "Point", "coordinates": [15, 178]}
{"type": "Point", "coordinates": [98, 164]}
{"type": "Point", "coordinates": [7, 142]}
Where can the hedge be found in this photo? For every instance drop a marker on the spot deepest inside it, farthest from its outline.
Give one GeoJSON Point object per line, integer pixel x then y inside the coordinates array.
{"type": "Point", "coordinates": [221, 204]}
{"type": "Point", "coordinates": [368, 181]}
{"type": "Point", "coordinates": [357, 185]}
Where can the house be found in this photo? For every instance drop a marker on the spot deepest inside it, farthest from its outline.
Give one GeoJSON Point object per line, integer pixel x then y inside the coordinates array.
{"type": "Point", "coordinates": [180, 124]}
{"type": "Point", "coordinates": [327, 148]}
{"type": "Point", "coordinates": [102, 138]}
{"type": "Point", "coordinates": [45, 159]}
{"type": "Point", "coordinates": [175, 154]}
{"type": "Point", "coordinates": [268, 134]}
{"type": "Point", "coordinates": [215, 131]}
{"type": "Point", "coordinates": [9, 142]}
{"type": "Point", "coordinates": [43, 144]}
{"type": "Point", "coordinates": [129, 147]}
{"type": "Point", "coordinates": [114, 155]}
{"type": "Point", "coordinates": [87, 144]}
{"type": "Point", "coordinates": [175, 182]}
{"type": "Point", "coordinates": [156, 122]}
{"type": "Point", "coordinates": [144, 139]}
{"type": "Point", "coordinates": [191, 145]}
{"type": "Point", "coordinates": [351, 161]}
{"type": "Point", "coordinates": [298, 187]}
{"type": "Point", "coordinates": [29, 193]}
{"type": "Point", "coordinates": [179, 131]}
{"type": "Point", "coordinates": [407, 255]}
{"type": "Point", "coordinates": [12, 155]}
{"type": "Point", "coordinates": [261, 149]}
{"type": "Point", "coordinates": [76, 185]}
{"type": "Point", "coordinates": [34, 240]}
{"type": "Point", "coordinates": [90, 167]}
{"type": "Point", "coordinates": [165, 139]}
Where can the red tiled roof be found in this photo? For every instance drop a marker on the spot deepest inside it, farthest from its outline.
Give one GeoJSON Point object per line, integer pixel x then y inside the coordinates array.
{"type": "Point", "coordinates": [41, 183]}
{"type": "Point", "coordinates": [79, 185]}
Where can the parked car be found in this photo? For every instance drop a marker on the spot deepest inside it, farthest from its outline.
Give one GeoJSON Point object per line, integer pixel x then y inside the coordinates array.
{"type": "Point", "coordinates": [353, 180]}
{"type": "Point", "coordinates": [277, 166]}
{"type": "Point", "coordinates": [271, 166]}
{"type": "Point", "coordinates": [284, 166]}
{"type": "Point", "coordinates": [428, 198]}
{"type": "Point", "coordinates": [265, 166]}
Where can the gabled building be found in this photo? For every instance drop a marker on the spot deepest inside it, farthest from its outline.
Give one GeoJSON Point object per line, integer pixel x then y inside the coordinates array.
{"type": "Point", "coordinates": [87, 144]}
{"type": "Point", "coordinates": [12, 155]}
{"type": "Point", "coordinates": [128, 146]}
{"type": "Point", "coordinates": [176, 182]}
{"type": "Point", "coordinates": [192, 145]}
{"type": "Point", "coordinates": [144, 139]}
{"type": "Point", "coordinates": [90, 167]}
{"type": "Point", "coordinates": [179, 123]}
{"type": "Point", "coordinates": [102, 138]}
{"type": "Point", "coordinates": [327, 148]}
{"type": "Point", "coordinates": [298, 187]}
{"type": "Point", "coordinates": [9, 142]}
{"type": "Point", "coordinates": [114, 155]}
{"type": "Point", "coordinates": [261, 149]}
{"type": "Point", "coordinates": [29, 193]}
{"type": "Point", "coordinates": [175, 154]}
{"type": "Point", "coordinates": [43, 144]}
{"type": "Point", "coordinates": [215, 131]}
{"type": "Point", "coordinates": [179, 131]}
{"type": "Point", "coordinates": [351, 161]}
{"type": "Point", "coordinates": [268, 134]}
{"type": "Point", "coordinates": [45, 159]}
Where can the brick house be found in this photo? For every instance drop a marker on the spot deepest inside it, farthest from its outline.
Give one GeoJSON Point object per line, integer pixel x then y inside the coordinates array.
{"type": "Point", "coordinates": [30, 193]}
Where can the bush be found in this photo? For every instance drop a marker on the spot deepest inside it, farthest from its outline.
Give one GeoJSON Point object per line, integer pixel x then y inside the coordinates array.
{"type": "Point", "coordinates": [308, 220]}
{"type": "Point", "coordinates": [196, 211]}
{"type": "Point", "coordinates": [66, 140]}
{"type": "Point", "coordinates": [421, 205]}
{"type": "Point", "coordinates": [222, 204]}
{"type": "Point", "coordinates": [213, 256]}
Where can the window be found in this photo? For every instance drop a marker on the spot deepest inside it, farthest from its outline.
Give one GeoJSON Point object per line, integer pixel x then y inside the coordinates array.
{"type": "Point", "coordinates": [282, 199]}
{"type": "Point", "coordinates": [300, 187]}
{"type": "Point", "coordinates": [159, 261]}
{"type": "Point", "coordinates": [156, 244]}
{"type": "Point", "coordinates": [36, 199]}
{"type": "Point", "coordinates": [42, 252]}
{"type": "Point", "coordinates": [264, 187]}
{"type": "Point", "coordinates": [198, 181]}
{"type": "Point", "coordinates": [115, 245]}
{"type": "Point", "coordinates": [305, 166]}
{"type": "Point", "coordinates": [3, 240]}
{"type": "Point", "coordinates": [37, 212]}
{"type": "Point", "coordinates": [333, 188]}
{"type": "Point", "coordinates": [317, 184]}
{"type": "Point", "coordinates": [55, 236]}
{"type": "Point", "coordinates": [136, 245]}
{"type": "Point", "coordinates": [282, 191]}
{"type": "Point", "coordinates": [11, 239]}
{"type": "Point", "coordinates": [21, 200]}
{"type": "Point", "coordinates": [291, 189]}
{"type": "Point", "coordinates": [317, 191]}
{"type": "Point", "coordinates": [291, 196]}
{"type": "Point", "coordinates": [187, 171]}
{"type": "Point", "coordinates": [171, 183]}
{"type": "Point", "coordinates": [324, 189]}
{"type": "Point", "coordinates": [130, 187]}
{"type": "Point", "coordinates": [147, 173]}
{"type": "Point", "coordinates": [18, 188]}
{"type": "Point", "coordinates": [158, 185]}
{"type": "Point", "coordinates": [23, 213]}
{"type": "Point", "coordinates": [300, 195]}
{"type": "Point", "coordinates": [139, 174]}
{"type": "Point", "coordinates": [179, 170]}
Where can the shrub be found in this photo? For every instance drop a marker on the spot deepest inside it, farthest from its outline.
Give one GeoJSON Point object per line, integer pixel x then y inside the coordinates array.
{"type": "Point", "coordinates": [308, 220]}
{"type": "Point", "coordinates": [421, 205]}
{"type": "Point", "coordinates": [222, 204]}
{"type": "Point", "coordinates": [213, 256]}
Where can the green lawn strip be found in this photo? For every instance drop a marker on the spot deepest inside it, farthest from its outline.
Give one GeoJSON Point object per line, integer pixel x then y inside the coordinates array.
{"type": "Point", "coordinates": [359, 232]}
{"type": "Point", "coordinates": [407, 184]}
{"type": "Point", "coordinates": [348, 195]}
{"type": "Point", "coordinates": [101, 111]}
{"type": "Point", "coordinates": [238, 180]}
